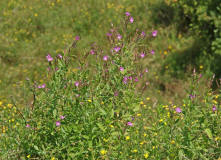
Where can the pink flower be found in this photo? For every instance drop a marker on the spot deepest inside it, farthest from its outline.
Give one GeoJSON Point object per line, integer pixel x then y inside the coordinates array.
{"type": "Point", "coordinates": [127, 13]}
{"type": "Point", "coordinates": [152, 52]}
{"type": "Point", "coordinates": [28, 125]}
{"type": "Point", "coordinates": [136, 79]}
{"type": "Point", "coordinates": [58, 123]}
{"type": "Point", "coordinates": [131, 19]}
{"type": "Point", "coordinates": [125, 80]}
{"type": "Point", "coordinates": [143, 34]}
{"type": "Point", "coordinates": [109, 34]}
{"type": "Point", "coordinates": [121, 68]}
{"type": "Point", "coordinates": [154, 33]}
{"type": "Point", "coordinates": [178, 110]}
{"type": "Point", "coordinates": [119, 37]}
{"type": "Point", "coordinates": [214, 108]}
{"type": "Point", "coordinates": [146, 70]}
{"type": "Point", "coordinates": [62, 117]}
{"type": "Point", "coordinates": [142, 55]}
{"type": "Point", "coordinates": [92, 52]}
{"type": "Point", "coordinates": [116, 49]}
{"type": "Point", "coordinates": [49, 58]}
{"type": "Point", "coordinates": [105, 58]}
{"type": "Point", "coordinates": [60, 56]}
{"type": "Point", "coordinates": [129, 123]}
{"type": "Point", "coordinates": [76, 83]}
{"type": "Point", "coordinates": [42, 86]}
{"type": "Point", "coordinates": [77, 38]}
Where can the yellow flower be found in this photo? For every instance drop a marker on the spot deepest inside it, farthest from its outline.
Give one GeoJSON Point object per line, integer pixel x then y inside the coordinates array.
{"type": "Point", "coordinates": [127, 137]}
{"type": "Point", "coordinates": [9, 105]}
{"type": "Point", "coordinates": [52, 158]}
{"type": "Point", "coordinates": [144, 134]}
{"type": "Point", "coordinates": [146, 155]}
{"type": "Point", "coordinates": [172, 142]}
{"type": "Point", "coordinates": [1, 103]}
{"type": "Point", "coordinates": [36, 15]}
{"type": "Point", "coordinates": [169, 47]}
{"type": "Point", "coordinates": [141, 143]}
{"type": "Point", "coordinates": [148, 98]}
{"type": "Point", "coordinates": [28, 156]}
{"type": "Point", "coordinates": [89, 100]}
{"type": "Point", "coordinates": [138, 115]}
{"type": "Point", "coordinates": [134, 151]}
{"type": "Point", "coordinates": [141, 102]}
{"type": "Point", "coordinates": [201, 66]}
{"type": "Point", "coordinates": [103, 152]}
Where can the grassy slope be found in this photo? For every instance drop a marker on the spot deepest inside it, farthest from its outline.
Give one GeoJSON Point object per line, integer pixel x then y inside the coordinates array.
{"type": "Point", "coordinates": [32, 29]}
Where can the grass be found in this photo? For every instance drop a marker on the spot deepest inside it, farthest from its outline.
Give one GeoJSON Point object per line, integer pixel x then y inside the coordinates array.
{"type": "Point", "coordinates": [104, 117]}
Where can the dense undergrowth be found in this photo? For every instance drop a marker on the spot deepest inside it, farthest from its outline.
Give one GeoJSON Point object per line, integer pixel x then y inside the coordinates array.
{"type": "Point", "coordinates": [116, 93]}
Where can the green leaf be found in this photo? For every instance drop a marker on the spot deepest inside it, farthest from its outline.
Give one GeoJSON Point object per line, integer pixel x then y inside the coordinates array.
{"type": "Point", "coordinates": [209, 133]}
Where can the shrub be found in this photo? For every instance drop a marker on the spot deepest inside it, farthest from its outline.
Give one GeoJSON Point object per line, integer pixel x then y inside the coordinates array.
{"type": "Point", "coordinates": [203, 19]}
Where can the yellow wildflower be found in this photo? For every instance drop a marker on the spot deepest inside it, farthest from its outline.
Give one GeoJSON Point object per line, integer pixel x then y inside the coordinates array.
{"type": "Point", "coordinates": [148, 98]}
{"type": "Point", "coordinates": [134, 151]}
{"type": "Point", "coordinates": [141, 102]}
{"type": "Point", "coordinates": [28, 156]}
{"type": "Point", "coordinates": [146, 155]}
{"type": "Point", "coordinates": [138, 115]}
{"type": "Point", "coordinates": [103, 152]}
{"type": "Point", "coordinates": [89, 100]}
{"type": "Point", "coordinates": [127, 137]}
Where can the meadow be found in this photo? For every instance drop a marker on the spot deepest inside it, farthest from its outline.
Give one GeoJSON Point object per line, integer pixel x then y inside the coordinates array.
{"type": "Point", "coordinates": [93, 79]}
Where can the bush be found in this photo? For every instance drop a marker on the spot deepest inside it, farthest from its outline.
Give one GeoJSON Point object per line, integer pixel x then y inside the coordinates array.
{"type": "Point", "coordinates": [203, 19]}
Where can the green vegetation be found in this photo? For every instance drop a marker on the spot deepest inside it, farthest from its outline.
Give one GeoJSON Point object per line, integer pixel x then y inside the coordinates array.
{"type": "Point", "coordinates": [110, 79]}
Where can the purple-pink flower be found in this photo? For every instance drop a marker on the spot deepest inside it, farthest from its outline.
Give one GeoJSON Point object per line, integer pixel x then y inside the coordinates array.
{"type": "Point", "coordinates": [92, 52]}
{"type": "Point", "coordinates": [142, 55]}
{"type": "Point", "coordinates": [42, 86]}
{"type": "Point", "coordinates": [28, 125]}
{"type": "Point", "coordinates": [109, 34]}
{"type": "Point", "coordinates": [58, 123]}
{"type": "Point", "coordinates": [105, 58]}
{"type": "Point", "coordinates": [143, 34]}
{"type": "Point", "coordinates": [60, 56]}
{"type": "Point", "coordinates": [127, 13]}
{"type": "Point", "coordinates": [154, 33]}
{"type": "Point", "coordinates": [77, 38]}
{"type": "Point", "coordinates": [62, 117]}
{"type": "Point", "coordinates": [214, 108]}
{"type": "Point", "coordinates": [152, 52]}
{"type": "Point", "coordinates": [125, 80]}
{"type": "Point", "coordinates": [49, 58]}
{"type": "Point", "coordinates": [117, 49]}
{"type": "Point", "coordinates": [121, 68]}
{"type": "Point", "coordinates": [178, 110]}
{"type": "Point", "coordinates": [76, 83]}
{"type": "Point", "coordinates": [131, 19]}
{"type": "Point", "coordinates": [129, 123]}
{"type": "Point", "coordinates": [119, 37]}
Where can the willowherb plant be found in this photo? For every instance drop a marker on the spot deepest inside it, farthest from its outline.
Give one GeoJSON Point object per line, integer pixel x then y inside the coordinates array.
{"type": "Point", "coordinates": [85, 112]}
